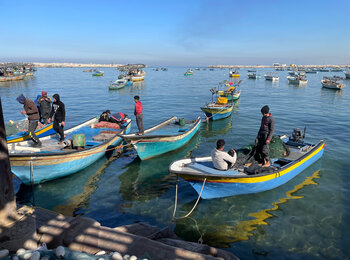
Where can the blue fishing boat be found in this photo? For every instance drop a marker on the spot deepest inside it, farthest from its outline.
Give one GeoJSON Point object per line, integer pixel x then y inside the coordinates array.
{"type": "Point", "coordinates": [22, 136]}
{"type": "Point", "coordinates": [162, 138]}
{"type": "Point", "coordinates": [54, 160]}
{"type": "Point", "coordinates": [211, 183]}
{"type": "Point", "coordinates": [189, 72]}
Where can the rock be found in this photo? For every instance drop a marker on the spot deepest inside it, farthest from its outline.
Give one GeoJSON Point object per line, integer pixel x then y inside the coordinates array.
{"type": "Point", "coordinates": [35, 256]}
{"type": "Point", "coordinates": [20, 251]}
{"type": "Point", "coordinates": [101, 258]}
{"type": "Point", "coordinates": [27, 255]}
{"type": "Point", "coordinates": [14, 257]}
{"type": "Point", "coordinates": [117, 256]}
{"type": "Point", "coordinates": [4, 253]}
{"type": "Point", "coordinates": [126, 257]}
{"type": "Point", "coordinates": [60, 252]}
{"type": "Point", "coordinates": [133, 257]}
{"type": "Point", "coordinates": [101, 253]}
{"type": "Point", "coordinates": [45, 258]}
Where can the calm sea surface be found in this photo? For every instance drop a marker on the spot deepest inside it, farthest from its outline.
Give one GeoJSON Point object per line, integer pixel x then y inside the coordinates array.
{"type": "Point", "coordinates": [306, 218]}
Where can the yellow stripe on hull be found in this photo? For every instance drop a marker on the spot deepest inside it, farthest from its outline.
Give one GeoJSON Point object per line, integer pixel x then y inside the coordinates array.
{"type": "Point", "coordinates": [23, 138]}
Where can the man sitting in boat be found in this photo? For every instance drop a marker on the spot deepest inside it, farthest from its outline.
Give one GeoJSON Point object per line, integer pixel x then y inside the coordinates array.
{"type": "Point", "coordinates": [118, 118]}
{"type": "Point", "coordinates": [105, 116]}
{"type": "Point", "coordinates": [222, 160]}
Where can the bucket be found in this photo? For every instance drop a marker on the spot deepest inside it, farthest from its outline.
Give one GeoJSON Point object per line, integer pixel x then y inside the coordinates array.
{"type": "Point", "coordinates": [182, 122]}
{"type": "Point", "coordinates": [79, 140]}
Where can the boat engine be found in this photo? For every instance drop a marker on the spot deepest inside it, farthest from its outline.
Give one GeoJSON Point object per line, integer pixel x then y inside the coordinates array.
{"type": "Point", "coordinates": [297, 135]}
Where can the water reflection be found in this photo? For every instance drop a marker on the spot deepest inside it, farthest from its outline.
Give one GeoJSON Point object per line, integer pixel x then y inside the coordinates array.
{"type": "Point", "coordinates": [238, 228]}
{"type": "Point", "coordinates": [144, 180]}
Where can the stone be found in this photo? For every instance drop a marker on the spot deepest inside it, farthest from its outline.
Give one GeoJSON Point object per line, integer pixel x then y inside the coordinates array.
{"type": "Point", "coordinates": [126, 257]}
{"type": "Point", "coordinates": [4, 253]}
{"type": "Point", "coordinates": [35, 256]}
{"type": "Point", "coordinates": [20, 251]}
{"type": "Point", "coordinates": [133, 257]}
{"type": "Point", "coordinates": [14, 257]}
{"type": "Point", "coordinates": [27, 255]}
{"type": "Point", "coordinates": [101, 253]}
{"type": "Point", "coordinates": [45, 258]}
{"type": "Point", "coordinates": [60, 252]}
{"type": "Point", "coordinates": [117, 256]}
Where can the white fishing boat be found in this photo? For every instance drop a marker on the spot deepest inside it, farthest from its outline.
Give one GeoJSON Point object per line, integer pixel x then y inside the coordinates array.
{"type": "Point", "coordinates": [254, 76]}
{"type": "Point", "coordinates": [332, 83]}
{"type": "Point", "coordinates": [298, 80]}
{"type": "Point", "coordinates": [271, 76]}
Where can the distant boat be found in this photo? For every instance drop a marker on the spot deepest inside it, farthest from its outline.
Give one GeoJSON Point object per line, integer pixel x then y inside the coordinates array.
{"type": "Point", "coordinates": [33, 165]}
{"type": "Point", "coordinates": [332, 83]}
{"type": "Point", "coordinates": [311, 70]}
{"type": "Point", "coordinates": [12, 78]}
{"type": "Point", "coordinates": [98, 73]}
{"type": "Point", "coordinates": [336, 69]}
{"type": "Point", "coordinates": [162, 138]}
{"type": "Point", "coordinates": [232, 93]}
{"type": "Point", "coordinates": [252, 70]}
{"type": "Point", "coordinates": [347, 74]}
{"type": "Point", "coordinates": [189, 72]}
{"type": "Point", "coordinates": [324, 69]}
{"type": "Point", "coordinates": [254, 76]}
{"type": "Point", "coordinates": [120, 83]}
{"type": "Point", "coordinates": [90, 70]}
{"type": "Point", "coordinates": [298, 80]}
{"type": "Point", "coordinates": [197, 69]}
{"type": "Point", "coordinates": [271, 76]}
{"type": "Point", "coordinates": [234, 74]}
{"type": "Point", "coordinates": [219, 109]}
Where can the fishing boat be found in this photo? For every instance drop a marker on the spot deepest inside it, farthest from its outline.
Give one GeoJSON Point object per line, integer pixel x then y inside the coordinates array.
{"type": "Point", "coordinates": [347, 74]}
{"type": "Point", "coordinates": [332, 82]}
{"type": "Point", "coordinates": [252, 70]}
{"type": "Point", "coordinates": [120, 83]}
{"type": "Point", "coordinates": [232, 92]}
{"type": "Point", "coordinates": [324, 70]}
{"type": "Point", "coordinates": [12, 78]}
{"type": "Point", "coordinates": [98, 73]}
{"type": "Point", "coordinates": [298, 80]}
{"type": "Point", "coordinates": [90, 70]}
{"type": "Point", "coordinates": [189, 72]}
{"type": "Point", "coordinates": [22, 136]}
{"type": "Point", "coordinates": [253, 76]}
{"type": "Point", "coordinates": [162, 138]}
{"type": "Point", "coordinates": [311, 70]}
{"type": "Point", "coordinates": [54, 160]}
{"type": "Point", "coordinates": [210, 183]}
{"type": "Point", "coordinates": [234, 74]}
{"type": "Point", "coordinates": [271, 76]}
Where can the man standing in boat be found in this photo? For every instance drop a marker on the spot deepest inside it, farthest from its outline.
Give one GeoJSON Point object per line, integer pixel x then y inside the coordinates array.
{"type": "Point", "coordinates": [33, 117]}
{"type": "Point", "coordinates": [139, 115]}
{"type": "Point", "coordinates": [58, 113]}
{"type": "Point", "coordinates": [267, 128]}
{"type": "Point", "coordinates": [45, 106]}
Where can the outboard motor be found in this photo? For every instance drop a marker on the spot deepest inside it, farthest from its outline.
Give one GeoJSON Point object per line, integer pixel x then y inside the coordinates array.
{"type": "Point", "coordinates": [297, 135]}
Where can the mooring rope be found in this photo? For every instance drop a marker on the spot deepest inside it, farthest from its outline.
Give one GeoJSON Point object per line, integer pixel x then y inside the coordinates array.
{"type": "Point", "coordinates": [195, 205]}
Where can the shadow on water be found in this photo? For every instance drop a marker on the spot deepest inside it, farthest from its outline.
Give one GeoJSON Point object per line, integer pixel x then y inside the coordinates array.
{"type": "Point", "coordinates": [66, 195]}
{"type": "Point", "coordinates": [145, 180]}
{"type": "Point", "coordinates": [243, 220]}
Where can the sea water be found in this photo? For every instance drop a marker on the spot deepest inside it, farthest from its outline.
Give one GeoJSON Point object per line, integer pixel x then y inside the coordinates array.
{"type": "Point", "coordinates": [306, 218]}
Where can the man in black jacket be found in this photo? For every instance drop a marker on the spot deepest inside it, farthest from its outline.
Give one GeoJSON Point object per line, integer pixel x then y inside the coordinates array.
{"type": "Point", "coordinates": [266, 130]}
{"type": "Point", "coordinates": [58, 113]}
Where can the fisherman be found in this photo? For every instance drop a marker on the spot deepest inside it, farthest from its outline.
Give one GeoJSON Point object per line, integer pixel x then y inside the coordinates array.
{"type": "Point", "coordinates": [33, 116]}
{"type": "Point", "coordinates": [58, 114]}
{"type": "Point", "coordinates": [264, 136]}
{"type": "Point", "coordinates": [139, 115]}
{"type": "Point", "coordinates": [105, 116]}
{"type": "Point", "coordinates": [118, 118]}
{"type": "Point", "coordinates": [222, 160]}
{"type": "Point", "coordinates": [45, 106]}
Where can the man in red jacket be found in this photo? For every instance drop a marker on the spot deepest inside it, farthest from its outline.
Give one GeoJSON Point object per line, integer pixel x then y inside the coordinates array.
{"type": "Point", "coordinates": [139, 115]}
{"type": "Point", "coordinates": [33, 117]}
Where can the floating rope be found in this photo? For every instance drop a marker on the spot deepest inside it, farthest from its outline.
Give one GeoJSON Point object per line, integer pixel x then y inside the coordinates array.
{"type": "Point", "coordinates": [195, 205]}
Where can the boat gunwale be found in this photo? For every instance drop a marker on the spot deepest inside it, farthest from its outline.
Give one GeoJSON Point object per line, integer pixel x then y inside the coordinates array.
{"type": "Point", "coordinates": [226, 176]}
{"type": "Point", "coordinates": [136, 138]}
{"type": "Point", "coordinates": [75, 152]}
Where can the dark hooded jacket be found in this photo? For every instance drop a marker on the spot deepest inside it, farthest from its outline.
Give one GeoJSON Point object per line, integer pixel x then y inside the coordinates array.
{"type": "Point", "coordinates": [58, 110]}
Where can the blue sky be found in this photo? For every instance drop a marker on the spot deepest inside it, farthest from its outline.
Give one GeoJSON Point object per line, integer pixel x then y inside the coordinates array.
{"type": "Point", "coordinates": [200, 32]}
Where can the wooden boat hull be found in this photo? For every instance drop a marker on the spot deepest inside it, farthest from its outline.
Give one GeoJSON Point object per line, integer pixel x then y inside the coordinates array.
{"type": "Point", "coordinates": [42, 132]}
{"type": "Point", "coordinates": [347, 75]}
{"type": "Point", "coordinates": [46, 166]}
{"type": "Point", "coordinates": [235, 75]}
{"type": "Point", "coordinates": [231, 97]}
{"type": "Point", "coordinates": [216, 113]}
{"type": "Point", "coordinates": [297, 82]}
{"type": "Point", "coordinates": [332, 86]}
{"type": "Point", "coordinates": [231, 185]}
{"type": "Point", "coordinates": [97, 74]}
{"type": "Point", "coordinates": [115, 87]}
{"type": "Point", "coordinates": [188, 74]}
{"type": "Point", "coordinates": [12, 78]}
{"type": "Point", "coordinates": [150, 146]}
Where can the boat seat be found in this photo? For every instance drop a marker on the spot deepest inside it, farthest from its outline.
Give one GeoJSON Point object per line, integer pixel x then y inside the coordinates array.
{"type": "Point", "coordinates": [208, 167]}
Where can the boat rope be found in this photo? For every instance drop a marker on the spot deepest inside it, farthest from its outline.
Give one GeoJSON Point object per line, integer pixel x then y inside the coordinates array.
{"type": "Point", "coordinates": [195, 205]}
{"type": "Point", "coordinates": [73, 156]}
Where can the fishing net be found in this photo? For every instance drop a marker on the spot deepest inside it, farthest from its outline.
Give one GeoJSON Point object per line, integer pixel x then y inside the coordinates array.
{"type": "Point", "coordinates": [14, 127]}
{"type": "Point", "coordinates": [247, 154]}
